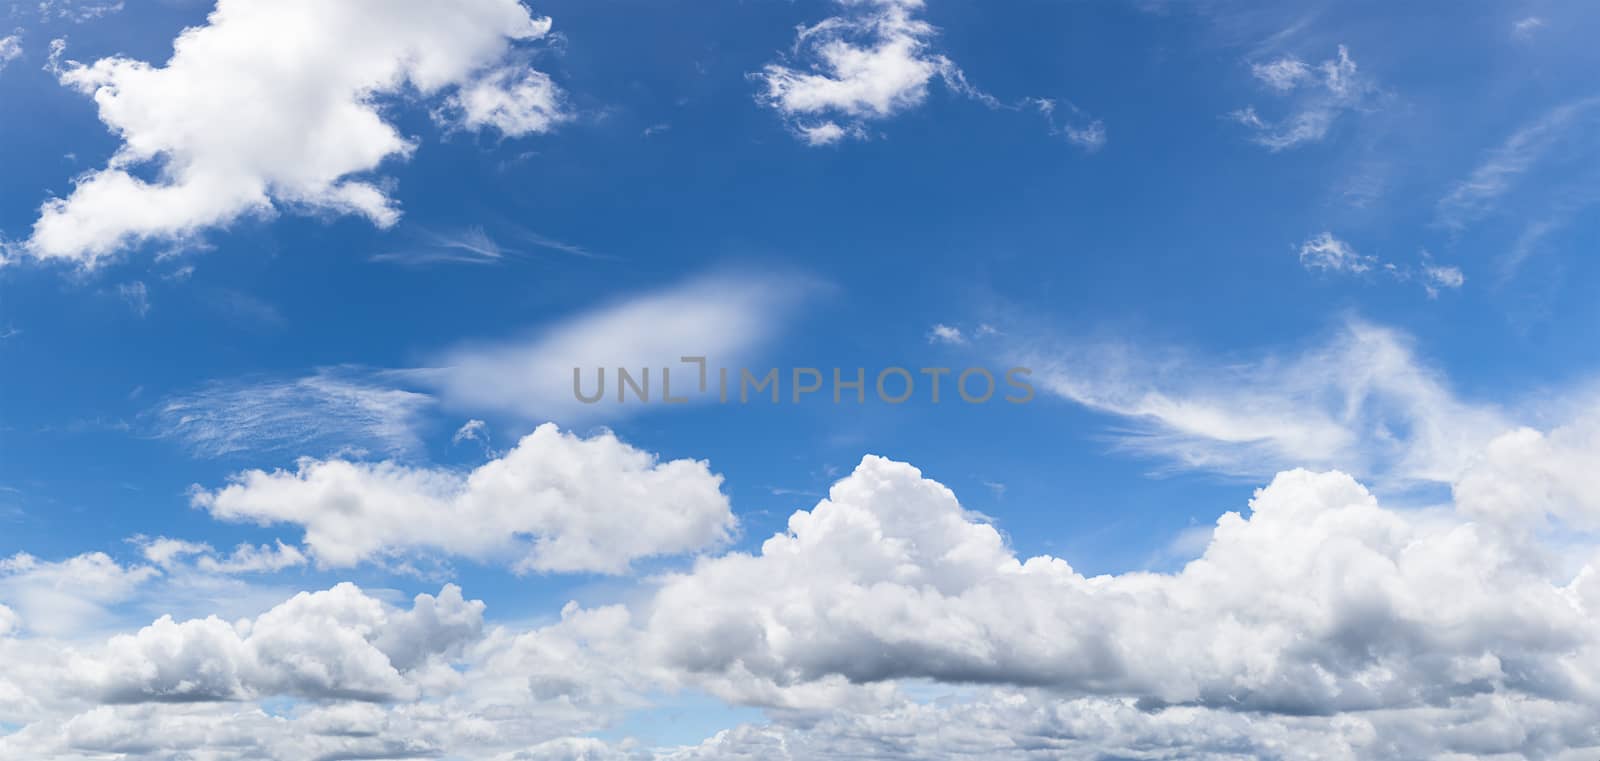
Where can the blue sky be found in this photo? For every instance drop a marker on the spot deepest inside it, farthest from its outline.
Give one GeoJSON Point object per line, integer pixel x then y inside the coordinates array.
{"type": "Point", "coordinates": [1228, 239]}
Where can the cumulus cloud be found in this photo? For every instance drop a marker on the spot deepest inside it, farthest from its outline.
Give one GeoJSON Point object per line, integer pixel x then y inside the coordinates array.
{"type": "Point", "coordinates": [64, 597]}
{"type": "Point", "coordinates": [1317, 623]}
{"type": "Point", "coordinates": [236, 124]}
{"type": "Point", "coordinates": [555, 502]}
{"type": "Point", "coordinates": [869, 64]}
{"type": "Point", "coordinates": [1319, 620]}
{"type": "Point", "coordinates": [338, 644]}
{"type": "Point", "coordinates": [1319, 95]}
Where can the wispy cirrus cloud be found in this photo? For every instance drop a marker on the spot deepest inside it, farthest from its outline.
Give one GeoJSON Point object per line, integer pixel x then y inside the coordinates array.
{"type": "Point", "coordinates": [1317, 97]}
{"type": "Point", "coordinates": [1570, 124]}
{"type": "Point", "coordinates": [476, 245]}
{"type": "Point", "coordinates": [332, 411]}
{"type": "Point", "coordinates": [1362, 402]}
{"type": "Point", "coordinates": [1328, 254]}
{"type": "Point", "coordinates": [725, 318]}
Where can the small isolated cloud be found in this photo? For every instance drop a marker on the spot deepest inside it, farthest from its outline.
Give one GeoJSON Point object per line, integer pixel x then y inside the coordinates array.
{"type": "Point", "coordinates": [876, 60]}
{"type": "Point", "coordinates": [237, 129]}
{"type": "Point", "coordinates": [1436, 277]}
{"type": "Point", "coordinates": [1326, 253]}
{"type": "Point", "coordinates": [1317, 96]}
{"type": "Point", "coordinates": [945, 334]}
{"type": "Point", "coordinates": [137, 296]}
{"type": "Point", "coordinates": [1524, 28]}
{"type": "Point", "coordinates": [10, 49]}
{"type": "Point", "coordinates": [1282, 75]}
{"type": "Point", "coordinates": [472, 430]}
{"type": "Point", "coordinates": [1088, 134]}
{"type": "Point", "coordinates": [871, 63]}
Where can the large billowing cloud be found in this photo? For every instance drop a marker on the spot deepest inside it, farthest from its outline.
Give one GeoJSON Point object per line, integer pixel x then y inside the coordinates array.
{"type": "Point", "coordinates": [1318, 601]}
{"type": "Point", "coordinates": [555, 502]}
{"type": "Point", "coordinates": [277, 105]}
{"type": "Point", "coordinates": [1318, 623]}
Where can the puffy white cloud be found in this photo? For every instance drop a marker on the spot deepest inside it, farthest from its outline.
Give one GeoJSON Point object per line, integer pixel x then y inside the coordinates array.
{"type": "Point", "coordinates": [946, 334]}
{"type": "Point", "coordinates": [339, 643]}
{"type": "Point", "coordinates": [63, 597]}
{"type": "Point", "coordinates": [276, 105]}
{"type": "Point", "coordinates": [872, 62]}
{"type": "Point", "coordinates": [1319, 95]}
{"type": "Point", "coordinates": [1318, 601]}
{"type": "Point", "coordinates": [555, 502]}
{"type": "Point", "coordinates": [889, 622]}
{"type": "Point", "coordinates": [516, 100]}
{"type": "Point", "coordinates": [1319, 624]}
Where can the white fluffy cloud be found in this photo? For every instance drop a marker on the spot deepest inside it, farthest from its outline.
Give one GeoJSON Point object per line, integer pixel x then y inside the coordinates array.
{"type": "Point", "coordinates": [872, 62]}
{"type": "Point", "coordinates": [276, 105]}
{"type": "Point", "coordinates": [555, 502]}
{"type": "Point", "coordinates": [1318, 624]}
{"type": "Point", "coordinates": [338, 644]}
{"type": "Point", "coordinates": [1318, 96]}
{"type": "Point", "coordinates": [63, 597]}
{"type": "Point", "coordinates": [1318, 601]}
{"type": "Point", "coordinates": [889, 622]}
